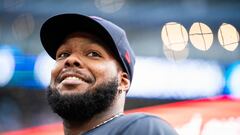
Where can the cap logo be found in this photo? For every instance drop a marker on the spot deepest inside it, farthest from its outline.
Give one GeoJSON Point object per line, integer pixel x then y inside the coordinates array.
{"type": "Point", "coordinates": [127, 57]}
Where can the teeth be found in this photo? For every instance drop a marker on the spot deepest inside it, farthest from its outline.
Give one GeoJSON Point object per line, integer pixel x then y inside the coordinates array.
{"type": "Point", "coordinates": [72, 78]}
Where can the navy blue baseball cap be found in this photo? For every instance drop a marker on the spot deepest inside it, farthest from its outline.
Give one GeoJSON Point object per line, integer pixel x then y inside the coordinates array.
{"type": "Point", "coordinates": [57, 28]}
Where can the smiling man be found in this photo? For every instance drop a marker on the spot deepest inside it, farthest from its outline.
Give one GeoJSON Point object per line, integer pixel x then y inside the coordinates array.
{"type": "Point", "coordinates": [93, 72]}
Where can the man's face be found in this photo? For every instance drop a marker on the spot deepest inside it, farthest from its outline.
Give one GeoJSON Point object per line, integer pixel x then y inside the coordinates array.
{"type": "Point", "coordinates": [82, 64]}
{"type": "Point", "coordinates": [85, 79]}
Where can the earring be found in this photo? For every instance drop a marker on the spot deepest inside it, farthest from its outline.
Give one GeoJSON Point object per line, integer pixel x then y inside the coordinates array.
{"type": "Point", "coordinates": [120, 91]}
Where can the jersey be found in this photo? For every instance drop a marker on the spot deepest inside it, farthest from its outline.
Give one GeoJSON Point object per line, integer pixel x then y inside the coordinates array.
{"type": "Point", "coordinates": [134, 124]}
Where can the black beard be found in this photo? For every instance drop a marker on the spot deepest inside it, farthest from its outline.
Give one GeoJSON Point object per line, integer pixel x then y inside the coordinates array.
{"type": "Point", "coordinates": [82, 107]}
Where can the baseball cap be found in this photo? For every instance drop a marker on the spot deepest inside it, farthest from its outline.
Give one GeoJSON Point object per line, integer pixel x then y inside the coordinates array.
{"type": "Point", "coordinates": [58, 27]}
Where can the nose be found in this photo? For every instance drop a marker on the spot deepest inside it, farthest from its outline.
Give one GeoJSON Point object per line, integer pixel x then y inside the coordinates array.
{"type": "Point", "coordinates": [72, 61]}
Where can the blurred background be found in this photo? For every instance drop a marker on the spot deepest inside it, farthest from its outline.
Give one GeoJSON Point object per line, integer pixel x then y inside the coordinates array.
{"type": "Point", "coordinates": [187, 60]}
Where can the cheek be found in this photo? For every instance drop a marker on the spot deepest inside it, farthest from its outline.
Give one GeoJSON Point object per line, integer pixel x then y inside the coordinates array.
{"type": "Point", "coordinates": [106, 70]}
{"type": "Point", "coordinates": [54, 73]}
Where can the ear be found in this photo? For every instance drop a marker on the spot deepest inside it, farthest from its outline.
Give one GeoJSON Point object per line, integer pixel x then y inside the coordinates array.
{"type": "Point", "coordinates": [124, 82]}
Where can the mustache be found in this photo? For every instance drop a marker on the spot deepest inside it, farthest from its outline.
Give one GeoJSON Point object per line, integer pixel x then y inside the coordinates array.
{"type": "Point", "coordinates": [75, 71]}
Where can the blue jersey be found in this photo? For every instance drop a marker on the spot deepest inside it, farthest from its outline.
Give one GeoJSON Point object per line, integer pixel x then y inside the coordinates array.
{"type": "Point", "coordinates": [134, 124]}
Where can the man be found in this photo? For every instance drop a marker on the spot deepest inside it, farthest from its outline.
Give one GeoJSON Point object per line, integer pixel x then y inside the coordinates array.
{"type": "Point", "coordinates": [93, 72]}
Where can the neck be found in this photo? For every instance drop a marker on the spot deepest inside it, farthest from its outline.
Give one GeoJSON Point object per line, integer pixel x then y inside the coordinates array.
{"type": "Point", "coordinates": [78, 128]}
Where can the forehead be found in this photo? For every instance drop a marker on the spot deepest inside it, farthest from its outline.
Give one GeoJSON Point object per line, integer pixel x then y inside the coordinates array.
{"type": "Point", "coordinates": [88, 38]}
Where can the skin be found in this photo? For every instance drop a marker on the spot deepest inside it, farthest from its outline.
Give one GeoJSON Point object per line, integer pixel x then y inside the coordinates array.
{"type": "Point", "coordinates": [94, 64]}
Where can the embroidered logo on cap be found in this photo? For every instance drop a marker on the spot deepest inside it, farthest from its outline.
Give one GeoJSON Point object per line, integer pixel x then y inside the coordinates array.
{"type": "Point", "coordinates": [127, 57]}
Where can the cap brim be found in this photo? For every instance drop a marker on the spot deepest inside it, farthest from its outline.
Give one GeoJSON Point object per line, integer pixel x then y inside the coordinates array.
{"type": "Point", "coordinates": [55, 30]}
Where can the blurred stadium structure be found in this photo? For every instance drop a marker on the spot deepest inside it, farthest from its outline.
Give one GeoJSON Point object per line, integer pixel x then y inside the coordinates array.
{"type": "Point", "coordinates": [162, 74]}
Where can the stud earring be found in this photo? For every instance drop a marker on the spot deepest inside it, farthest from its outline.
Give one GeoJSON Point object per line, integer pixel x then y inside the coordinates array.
{"type": "Point", "coordinates": [120, 91]}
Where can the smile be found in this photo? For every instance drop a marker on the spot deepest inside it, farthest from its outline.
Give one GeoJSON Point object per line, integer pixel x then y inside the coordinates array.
{"type": "Point", "coordinates": [72, 80]}
{"type": "Point", "coordinates": [73, 77]}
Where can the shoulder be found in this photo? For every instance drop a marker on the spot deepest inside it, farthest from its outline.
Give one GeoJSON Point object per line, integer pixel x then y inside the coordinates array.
{"type": "Point", "coordinates": [140, 123]}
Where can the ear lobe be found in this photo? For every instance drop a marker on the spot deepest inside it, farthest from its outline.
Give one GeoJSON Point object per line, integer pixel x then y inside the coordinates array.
{"type": "Point", "coordinates": [124, 82]}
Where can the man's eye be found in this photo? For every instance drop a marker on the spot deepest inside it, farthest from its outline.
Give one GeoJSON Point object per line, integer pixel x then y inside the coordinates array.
{"type": "Point", "coordinates": [94, 54]}
{"type": "Point", "coordinates": [63, 55]}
